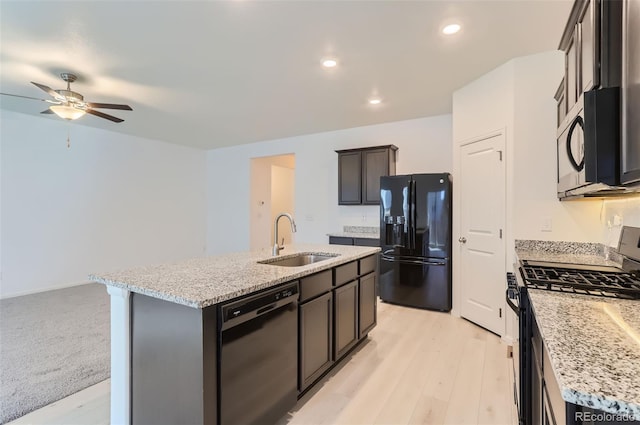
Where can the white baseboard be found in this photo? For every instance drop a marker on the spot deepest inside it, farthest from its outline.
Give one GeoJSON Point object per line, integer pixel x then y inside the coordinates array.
{"type": "Point", "coordinates": [35, 291]}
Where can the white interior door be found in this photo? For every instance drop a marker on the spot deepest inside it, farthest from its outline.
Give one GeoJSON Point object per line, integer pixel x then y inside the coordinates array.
{"type": "Point", "coordinates": [482, 243]}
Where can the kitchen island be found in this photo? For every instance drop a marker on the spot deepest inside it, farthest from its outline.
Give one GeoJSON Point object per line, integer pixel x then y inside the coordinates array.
{"type": "Point", "coordinates": [165, 324]}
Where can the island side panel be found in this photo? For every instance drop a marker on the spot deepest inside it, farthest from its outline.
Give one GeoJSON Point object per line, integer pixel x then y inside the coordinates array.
{"type": "Point", "coordinates": [173, 363]}
{"type": "Point", "coordinates": [120, 355]}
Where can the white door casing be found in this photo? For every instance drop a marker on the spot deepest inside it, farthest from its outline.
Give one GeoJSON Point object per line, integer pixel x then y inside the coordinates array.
{"type": "Point", "coordinates": [482, 231]}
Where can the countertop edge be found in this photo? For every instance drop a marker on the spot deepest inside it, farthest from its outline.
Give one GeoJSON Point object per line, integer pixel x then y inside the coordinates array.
{"type": "Point", "coordinates": [354, 235]}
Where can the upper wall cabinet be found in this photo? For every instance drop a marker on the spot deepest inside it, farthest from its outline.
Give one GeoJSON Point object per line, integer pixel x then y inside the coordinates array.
{"type": "Point", "coordinates": [630, 167]}
{"type": "Point", "coordinates": [591, 44]}
{"type": "Point", "coordinates": [359, 172]}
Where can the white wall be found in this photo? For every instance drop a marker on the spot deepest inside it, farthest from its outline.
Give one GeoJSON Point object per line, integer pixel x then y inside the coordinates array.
{"type": "Point", "coordinates": [535, 172]}
{"type": "Point", "coordinates": [424, 146]}
{"type": "Point", "coordinates": [110, 201]}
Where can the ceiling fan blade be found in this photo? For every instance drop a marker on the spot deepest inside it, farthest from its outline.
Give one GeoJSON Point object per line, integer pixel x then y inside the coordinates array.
{"type": "Point", "coordinates": [105, 116]}
{"type": "Point", "coordinates": [47, 111]}
{"type": "Point", "coordinates": [109, 106]}
{"type": "Point", "coordinates": [49, 90]}
{"type": "Point", "coordinates": [32, 98]}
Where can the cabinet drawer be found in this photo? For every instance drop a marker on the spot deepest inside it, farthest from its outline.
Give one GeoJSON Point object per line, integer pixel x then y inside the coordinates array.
{"type": "Point", "coordinates": [366, 242]}
{"type": "Point", "coordinates": [339, 240]}
{"type": "Point", "coordinates": [345, 273]}
{"type": "Point", "coordinates": [368, 264]}
{"type": "Point", "coordinates": [315, 285]}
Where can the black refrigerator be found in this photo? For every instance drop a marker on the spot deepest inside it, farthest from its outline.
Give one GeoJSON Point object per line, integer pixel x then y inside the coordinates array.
{"type": "Point", "coordinates": [415, 237]}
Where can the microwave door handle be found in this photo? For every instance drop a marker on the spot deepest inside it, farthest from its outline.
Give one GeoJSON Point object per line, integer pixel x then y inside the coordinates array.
{"type": "Point", "coordinates": [577, 121]}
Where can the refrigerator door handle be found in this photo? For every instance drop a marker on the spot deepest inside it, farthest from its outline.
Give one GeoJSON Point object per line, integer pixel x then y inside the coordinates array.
{"type": "Point", "coordinates": [419, 262]}
{"type": "Point", "coordinates": [412, 214]}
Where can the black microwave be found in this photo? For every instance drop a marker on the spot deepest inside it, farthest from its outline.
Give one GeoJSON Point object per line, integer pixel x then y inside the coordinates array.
{"type": "Point", "coordinates": [589, 146]}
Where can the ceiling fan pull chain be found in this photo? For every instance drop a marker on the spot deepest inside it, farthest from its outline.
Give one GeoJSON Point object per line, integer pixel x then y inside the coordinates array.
{"type": "Point", "coordinates": [68, 136]}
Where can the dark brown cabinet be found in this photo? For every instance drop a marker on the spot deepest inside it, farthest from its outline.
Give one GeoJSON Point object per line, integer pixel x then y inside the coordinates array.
{"type": "Point", "coordinates": [346, 317]}
{"type": "Point", "coordinates": [359, 172]}
{"type": "Point", "coordinates": [630, 166]}
{"type": "Point", "coordinates": [337, 308]}
{"type": "Point", "coordinates": [315, 339]}
{"type": "Point", "coordinates": [341, 240]}
{"type": "Point", "coordinates": [367, 304]}
{"type": "Point", "coordinates": [315, 330]}
{"type": "Point", "coordinates": [350, 178]}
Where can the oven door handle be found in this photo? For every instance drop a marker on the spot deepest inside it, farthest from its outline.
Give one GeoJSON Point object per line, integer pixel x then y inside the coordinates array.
{"type": "Point", "coordinates": [511, 304]}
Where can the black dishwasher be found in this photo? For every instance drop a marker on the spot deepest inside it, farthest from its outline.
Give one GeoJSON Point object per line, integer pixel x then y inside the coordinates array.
{"type": "Point", "coordinates": [258, 361]}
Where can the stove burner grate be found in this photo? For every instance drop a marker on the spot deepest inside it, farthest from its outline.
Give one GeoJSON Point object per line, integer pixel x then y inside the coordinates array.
{"type": "Point", "coordinates": [608, 284]}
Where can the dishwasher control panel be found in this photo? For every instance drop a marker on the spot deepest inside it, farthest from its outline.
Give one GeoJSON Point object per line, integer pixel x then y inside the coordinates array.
{"type": "Point", "coordinates": [259, 303]}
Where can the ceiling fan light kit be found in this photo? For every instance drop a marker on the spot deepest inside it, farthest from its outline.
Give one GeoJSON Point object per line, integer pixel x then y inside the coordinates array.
{"type": "Point", "coordinates": [67, 112]}
{"type": "Point", "coordinates": [71, 105]}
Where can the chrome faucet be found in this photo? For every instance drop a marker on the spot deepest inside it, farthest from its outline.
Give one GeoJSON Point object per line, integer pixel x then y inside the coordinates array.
{"type": "Point", "coordinates": [277, 248]}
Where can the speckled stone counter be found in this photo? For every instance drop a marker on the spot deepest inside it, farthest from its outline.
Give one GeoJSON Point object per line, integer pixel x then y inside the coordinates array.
{"type": "Point", "coordinates": [560, 257]}
{"type": "Point", "coordinates": [567, 252]}
{"type": "Point", "coordinates": [594, 347]}
{"type": "Point", "coordinates": [201, 282]}
{"type": "Point", "coordinates": [355, 235]}
{"type": "Point", "coordinates": [361, 232]}
{"type": "Point", "coordinates": [593, 342]}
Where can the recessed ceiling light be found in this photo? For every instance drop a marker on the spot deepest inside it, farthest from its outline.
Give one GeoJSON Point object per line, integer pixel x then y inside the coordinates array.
{"type": "Point", "coordinates": [375, 101]}
{"type": "Point", "coordinates": [451, 29]}
{"type": "Point", "coordinates": [329, 63]}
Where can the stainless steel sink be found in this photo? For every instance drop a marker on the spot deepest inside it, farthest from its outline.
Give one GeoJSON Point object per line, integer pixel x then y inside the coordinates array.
{"type": "Point", "coordinates": [298, 260]}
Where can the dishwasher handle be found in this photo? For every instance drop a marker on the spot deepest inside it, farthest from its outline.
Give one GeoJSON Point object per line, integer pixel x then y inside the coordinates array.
{"type": "Point", "coordinates": [248, 308]}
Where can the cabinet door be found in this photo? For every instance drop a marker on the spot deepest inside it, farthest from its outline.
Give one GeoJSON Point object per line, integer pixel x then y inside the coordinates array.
{"type": "Point", "coordinates": [375, 163]}
{"type": "Point", "coordinates": [571, 78]}
{"type": "Point", "coordinates": [630, 167]}
{"type": "Point", "coordinates": [346, 317]}
{"type": "Point", "coordinates": [315, 339]}
{"type": "Point", "coordinates": [367, 304]}
{"type": "Point", "coordinates": [349, 178]}
{"type": "Point", "coordinates": [589, 43]}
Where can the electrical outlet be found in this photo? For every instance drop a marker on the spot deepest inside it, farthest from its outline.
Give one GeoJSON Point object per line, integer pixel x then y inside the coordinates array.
{"type": "Point", "coordinates": [617, 220]}
{"type": "Point", "coordinates": [546, 224]}
{"type": "Point", "coordinates": [364, 217]}
{"type": "Point", "coordinates": [309, 217]}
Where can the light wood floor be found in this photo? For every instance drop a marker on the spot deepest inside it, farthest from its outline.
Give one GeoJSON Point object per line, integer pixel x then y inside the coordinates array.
{"type": "Point", "coordinates": [417, 367]}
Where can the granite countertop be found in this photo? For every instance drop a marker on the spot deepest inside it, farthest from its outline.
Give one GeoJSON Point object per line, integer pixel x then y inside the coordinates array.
{"type": "Point", "coordinates": [355, 235]}
{"type": "Point", "coordinates": [364, 232]}
{"type": "Point", "coordinates": [201, 282]}
{"type": "Point", "coordinates": [560, 257]}
{"type": "Point", "coordinates": [594, 347]}
{"type": "Point", "coordinates": [593, 342]}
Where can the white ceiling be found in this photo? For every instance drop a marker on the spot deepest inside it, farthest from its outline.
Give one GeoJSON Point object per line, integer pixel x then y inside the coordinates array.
{"type": "Point", "coordinates": [212, 74]}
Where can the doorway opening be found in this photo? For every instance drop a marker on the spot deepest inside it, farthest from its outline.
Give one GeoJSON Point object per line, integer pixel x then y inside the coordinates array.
{"type": "Point", "coordinates": [272, 192]}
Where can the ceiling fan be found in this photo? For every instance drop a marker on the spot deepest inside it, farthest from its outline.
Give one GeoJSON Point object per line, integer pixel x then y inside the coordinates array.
{"type": "Point", "coordinates": [71, 105]}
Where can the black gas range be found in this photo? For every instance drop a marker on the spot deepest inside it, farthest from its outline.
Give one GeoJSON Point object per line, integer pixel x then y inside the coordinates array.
{"type": "Point", "coordinates": [591, 280]}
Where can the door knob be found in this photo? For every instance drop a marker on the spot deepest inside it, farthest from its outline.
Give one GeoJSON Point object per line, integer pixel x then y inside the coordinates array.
{"type": "Point", "coordinates": [462, 239]}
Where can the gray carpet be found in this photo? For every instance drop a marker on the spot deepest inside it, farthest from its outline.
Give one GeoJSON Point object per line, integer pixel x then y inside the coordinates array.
{"type": "Point", "coordinates": [52, 344]}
